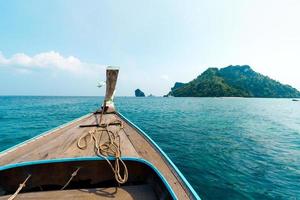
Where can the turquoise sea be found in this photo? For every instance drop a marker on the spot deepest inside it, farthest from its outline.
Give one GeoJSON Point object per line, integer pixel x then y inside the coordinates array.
{"type": "Point", "coordinates": [228, 148]}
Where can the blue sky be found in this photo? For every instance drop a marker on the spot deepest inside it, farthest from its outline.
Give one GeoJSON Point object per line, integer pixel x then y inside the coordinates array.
{"type": "Point", "coordinates": [62, 47]}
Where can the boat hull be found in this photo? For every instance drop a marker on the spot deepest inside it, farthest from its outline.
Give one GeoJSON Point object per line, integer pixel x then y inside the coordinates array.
{"type": "Point", "coordinates": [61, 143]}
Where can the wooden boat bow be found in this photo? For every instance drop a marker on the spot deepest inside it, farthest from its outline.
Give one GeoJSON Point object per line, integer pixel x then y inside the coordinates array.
{"type": "Point", "coordinates": [52, 157]}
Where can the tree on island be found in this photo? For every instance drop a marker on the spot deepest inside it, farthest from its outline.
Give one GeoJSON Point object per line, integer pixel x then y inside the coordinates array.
{"type": "Point", "coordinates": [233, 81]}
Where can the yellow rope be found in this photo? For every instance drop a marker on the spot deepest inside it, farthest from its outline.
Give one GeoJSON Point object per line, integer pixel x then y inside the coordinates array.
{"type": "Point", "coordinates": [72, 176]}
{"type": "Point", "coordinates": [19, 188]}
{"type": "Point", "coordinates": [108, 148]}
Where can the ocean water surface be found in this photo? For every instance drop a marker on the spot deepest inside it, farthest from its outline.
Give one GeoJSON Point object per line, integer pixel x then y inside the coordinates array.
{"type": "Point", "coordinates": [228, 148]}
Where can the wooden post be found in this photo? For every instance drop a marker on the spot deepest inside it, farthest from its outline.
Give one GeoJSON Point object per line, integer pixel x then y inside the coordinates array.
{"type": "Point", "coordinates": [111, 82]}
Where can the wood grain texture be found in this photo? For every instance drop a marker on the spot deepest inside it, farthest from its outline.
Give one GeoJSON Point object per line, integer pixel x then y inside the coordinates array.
{"type": "Point", "coordinates": [62, 143]}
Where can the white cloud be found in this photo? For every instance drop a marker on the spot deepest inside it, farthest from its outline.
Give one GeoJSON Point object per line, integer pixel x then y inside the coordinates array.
{"type": "Point", "coordinates": [48, 60]}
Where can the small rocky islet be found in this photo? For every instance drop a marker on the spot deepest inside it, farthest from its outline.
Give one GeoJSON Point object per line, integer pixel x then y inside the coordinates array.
{"type": "Point", "coordinates": [139, 93]}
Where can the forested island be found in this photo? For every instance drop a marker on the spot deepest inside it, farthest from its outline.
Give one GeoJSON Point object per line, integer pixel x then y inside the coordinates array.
{"type": "Point", "coordinates": [233, 81]}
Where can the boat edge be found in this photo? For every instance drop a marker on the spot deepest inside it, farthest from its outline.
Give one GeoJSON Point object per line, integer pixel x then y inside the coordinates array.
{"type": "Point", "coordinates": [14, 147]}
{"type": "Point", "coordinates": [92, 158]}
{"type": "Point", "coordinates": [181, 176]}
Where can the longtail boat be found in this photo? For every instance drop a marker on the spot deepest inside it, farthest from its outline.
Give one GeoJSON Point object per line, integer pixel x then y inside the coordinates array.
{"type": "Point", "coordinates": [101, 155]}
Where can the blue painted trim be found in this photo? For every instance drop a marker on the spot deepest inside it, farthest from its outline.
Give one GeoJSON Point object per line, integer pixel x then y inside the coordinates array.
{"type": "Point", "coordinates": [140, 160]}
{"type": "Point", "coordinates": [42, 134]}
{"type": "Point", "coordinates": [88, 158]}
{"type": "Point", "coordinates": [196, 196]}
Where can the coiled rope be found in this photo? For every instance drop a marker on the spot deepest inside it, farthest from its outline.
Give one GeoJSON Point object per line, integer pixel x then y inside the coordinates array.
{"type": "Point", "coordinates": [110, 148]}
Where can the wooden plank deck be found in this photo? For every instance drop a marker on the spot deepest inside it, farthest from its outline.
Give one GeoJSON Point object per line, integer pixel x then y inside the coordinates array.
{"type": "Point", "coordinates": [62, 143]}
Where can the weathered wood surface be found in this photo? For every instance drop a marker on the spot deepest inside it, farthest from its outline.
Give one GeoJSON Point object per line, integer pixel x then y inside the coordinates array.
{"type": "Point", "coordinates": [144, 192]}
{"type": "Point", "coordinates": [62, 143]}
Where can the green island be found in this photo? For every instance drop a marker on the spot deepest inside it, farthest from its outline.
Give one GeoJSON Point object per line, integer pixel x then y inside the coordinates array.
{"type": "Point", "coordinates": [233, 81]}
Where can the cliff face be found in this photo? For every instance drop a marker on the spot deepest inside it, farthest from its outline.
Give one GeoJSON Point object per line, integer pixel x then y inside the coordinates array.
{"type": "Point", "coordinates": [177, 85]}
{"type": "Point", "coordinates": [239, 81]}
{"type": "Point", "coordinates": [139, 93]}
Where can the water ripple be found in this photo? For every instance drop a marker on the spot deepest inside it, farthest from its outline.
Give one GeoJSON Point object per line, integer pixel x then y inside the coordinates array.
{"type": "Point", "coordinates": [228, 148]}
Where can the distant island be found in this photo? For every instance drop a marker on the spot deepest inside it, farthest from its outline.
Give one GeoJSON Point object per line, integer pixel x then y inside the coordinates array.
{"type": "Point", "coordinates": [139, 93]}
{"type": "Point", "coordinates": [233, 81]}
